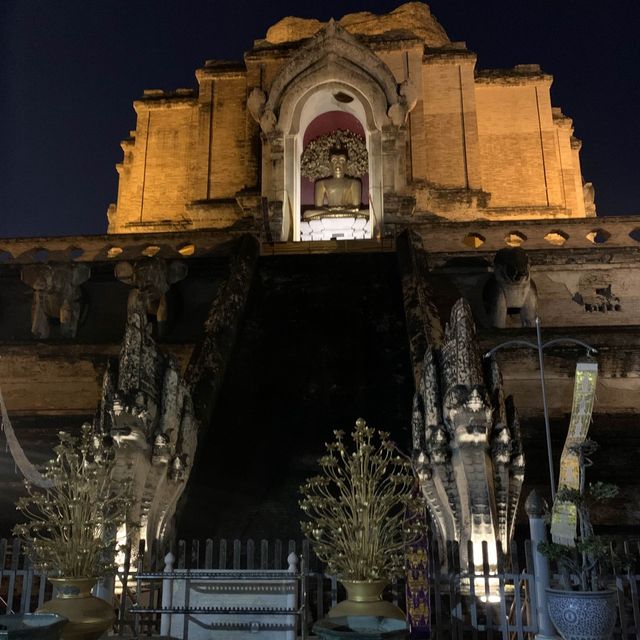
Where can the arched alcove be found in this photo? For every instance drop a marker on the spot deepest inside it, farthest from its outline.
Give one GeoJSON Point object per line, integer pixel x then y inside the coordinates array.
{"type": "Point", "coordinates": [333, 74]}
{"type": "Point", "coordinates": [314, 127]}
{"type": "Point", "coordinates": [329, 107]}
{"type": "Point", "coordinates": [328, 122]}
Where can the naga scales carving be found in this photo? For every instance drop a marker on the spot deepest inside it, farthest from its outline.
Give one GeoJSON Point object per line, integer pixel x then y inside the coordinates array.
{"type": "Point", "coordinates": [466, 441]}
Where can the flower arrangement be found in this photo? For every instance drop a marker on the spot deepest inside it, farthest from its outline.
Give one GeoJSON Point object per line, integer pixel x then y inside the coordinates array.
{"type": "Point", "coordinates": [362, 510]}
{"type": "Point", "coordinates": [73, 519]}
{"type": "Point", "coordinates": [314, 163]}
{"type": "Point", "coordinates": [583, 559]}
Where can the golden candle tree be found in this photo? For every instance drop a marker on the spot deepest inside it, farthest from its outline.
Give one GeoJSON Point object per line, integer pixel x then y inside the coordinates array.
{"type": "Point", "coordinates": [73, 518]}
{"type": "Point", "coordinates": [363, 509]}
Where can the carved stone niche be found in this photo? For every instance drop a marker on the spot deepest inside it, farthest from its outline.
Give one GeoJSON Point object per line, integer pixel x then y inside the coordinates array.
{"type": "Point", "coordinates": [333, 72]}
{"type": "Point", "coordinates": [510, 292]}
{"type": "Point", "coordinates": [57, 296]}
{"type": "Point", "coordinates": [151, 279]}
{"type": "Point", "coordinates": [467, 444]}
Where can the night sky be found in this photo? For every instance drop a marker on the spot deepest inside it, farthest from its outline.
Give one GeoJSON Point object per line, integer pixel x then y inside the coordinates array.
{"type": "Point", "coordinates": [70, 69]}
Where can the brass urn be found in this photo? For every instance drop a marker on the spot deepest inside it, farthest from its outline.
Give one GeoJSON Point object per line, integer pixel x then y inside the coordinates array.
{"type": "Point", "coordinates": [364, 598]}
{"type": "Point", "coordinates": [88, 617]}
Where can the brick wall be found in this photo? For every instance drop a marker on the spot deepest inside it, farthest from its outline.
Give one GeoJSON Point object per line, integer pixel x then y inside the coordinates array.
{"type": "Point", "coordinates": [492, 132]}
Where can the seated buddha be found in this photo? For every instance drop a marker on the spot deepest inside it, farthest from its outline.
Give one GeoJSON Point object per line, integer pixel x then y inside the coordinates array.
{"type": "Point", "coordinates": [337, 196]}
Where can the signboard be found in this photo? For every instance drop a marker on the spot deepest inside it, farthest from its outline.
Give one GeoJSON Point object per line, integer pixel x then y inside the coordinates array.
{"type": "Point", "coordinates": [564, 517]}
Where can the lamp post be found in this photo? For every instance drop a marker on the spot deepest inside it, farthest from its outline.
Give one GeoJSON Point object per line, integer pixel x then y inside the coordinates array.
{"type": "Point", "coordinates": [540, 346]}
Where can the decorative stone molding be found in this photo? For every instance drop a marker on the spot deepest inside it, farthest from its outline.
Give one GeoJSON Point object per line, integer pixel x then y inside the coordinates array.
{"type": "Point", "coordinates": [408, 98]}
{"type": "Point", "coordinates": [589, 194]}
{"type": "Point", "coordinates": [210, 356]}
{"type": "Point", "coordinates": [56, 295]}
{"type": "Point", "coordinates": [466, 440]}
{"type": "Point", "coordinates": [424, 327]}
{"type": "Point", "coordinates": [256, 101]}
{"type": "Point", "coordinates": [151, 280]}
{"type": "Point", "coordinates": [331, 48]}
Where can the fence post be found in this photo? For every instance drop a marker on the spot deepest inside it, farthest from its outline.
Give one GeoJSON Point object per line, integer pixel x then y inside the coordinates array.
{"type": "Point", "coordinates": [167, 595]}
{"type": "Point", "coordinates": [293, 600]}
{"type": "Point", "coordinates": [535, 506]}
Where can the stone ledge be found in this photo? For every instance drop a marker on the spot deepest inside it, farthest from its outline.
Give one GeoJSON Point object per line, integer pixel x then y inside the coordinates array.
{"type": "Point", "coordinates": [520, 74]}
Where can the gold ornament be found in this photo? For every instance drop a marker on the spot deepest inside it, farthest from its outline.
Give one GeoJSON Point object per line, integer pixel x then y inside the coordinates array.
{"type": "Point", "coordinates": [72, 523]}
{"type": "Point", "coordinates": [357, 510]}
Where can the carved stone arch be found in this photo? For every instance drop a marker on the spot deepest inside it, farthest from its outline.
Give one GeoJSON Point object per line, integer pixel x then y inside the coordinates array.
{"type": "Point", "coordinates": [332, 75]}
{"type": "Point", "coordinates": [303, 97]}
{"type": "Point", "coordinates": [332, 43]}
{"type": "Point", "coordinates": [366, 107]}
{"type": "Point", "coordinates": [334, 61]}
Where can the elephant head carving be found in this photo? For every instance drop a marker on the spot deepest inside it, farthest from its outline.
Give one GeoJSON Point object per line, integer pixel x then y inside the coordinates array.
{"type": "Point", "coordinates": [510, 290]}
{"type": "Point", "coordinates": [56, 296]}
{"type": "Point", "coordinates": [151, 279]}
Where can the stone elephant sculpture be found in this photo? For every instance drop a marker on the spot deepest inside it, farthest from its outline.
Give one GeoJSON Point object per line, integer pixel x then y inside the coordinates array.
{"type": "Point", "coordinates": [56, 296]}
{"type": "Point", "coordinates": [510, 290]}
{"type": "Point", "coordinates": [151, 279]}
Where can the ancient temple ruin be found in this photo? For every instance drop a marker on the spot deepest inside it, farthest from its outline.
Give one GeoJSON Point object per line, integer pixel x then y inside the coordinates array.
{"type": "Point", "coordinates": [425, 133]}
{"type": "Point", "coordinates": [287, 243]}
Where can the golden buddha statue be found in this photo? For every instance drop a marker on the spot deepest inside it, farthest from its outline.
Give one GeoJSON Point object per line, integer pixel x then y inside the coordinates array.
{"type": "Point", "coordinates": [338, 196]}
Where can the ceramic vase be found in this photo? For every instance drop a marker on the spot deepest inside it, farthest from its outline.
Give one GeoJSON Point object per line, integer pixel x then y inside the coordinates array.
{"type": "Point", "coordinates": [31, 626]}
{"type": "Point", "coordinates": [582, 615]}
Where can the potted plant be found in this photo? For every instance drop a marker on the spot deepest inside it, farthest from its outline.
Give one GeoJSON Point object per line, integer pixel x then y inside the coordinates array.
{"type": "Point", "coordinates": [71, 527]}
{"type": "Point", "coordinates": [582, 606]}
{"type": "Point", "coordinates": [359, 517]}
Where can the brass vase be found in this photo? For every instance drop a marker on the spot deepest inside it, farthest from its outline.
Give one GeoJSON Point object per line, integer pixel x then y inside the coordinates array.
{"type": "Point", "coordinates": [364, 598]}
{"type": "Point", "coordinates": [88, 617]}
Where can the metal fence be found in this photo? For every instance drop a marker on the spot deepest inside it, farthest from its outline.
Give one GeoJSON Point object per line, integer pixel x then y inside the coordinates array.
{"type": "Point", "coordinates": [460, 595]}
{"type": "Point", "coordinates": [22, 589]}
{"type": "Point", "coordinates": [145, 602]}
{"type": "Point", "coordinates": [623, 575]}
{"type": "Point", "coordinates": [320, 591]}
{"type": "Point", "coordinates": [493, 597]}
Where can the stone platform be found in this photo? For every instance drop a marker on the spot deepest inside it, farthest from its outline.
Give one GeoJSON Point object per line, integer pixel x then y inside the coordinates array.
{"type": "Point", "coordinates": [335, 228]}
